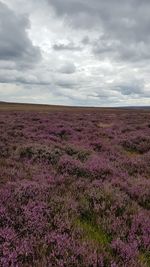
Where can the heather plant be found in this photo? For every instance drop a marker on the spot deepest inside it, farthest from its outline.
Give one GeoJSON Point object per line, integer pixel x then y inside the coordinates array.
{"type": "Point", "coordinates": [139, 190]}
{"type": "Point", "coordinates": [74, 189]}
{"type": "Point", "coordinates": [98, 167]}
{"type": "Point", "coordinates": [139, 144]}
{"type": "Point", "coordinates": [77, 153]}
{"type": "Point", "coordinates": [39, 153]}
{"type": "Point", "coordinates": [70, 166]}
{"type": "Point", "coordinates": [135, 166]}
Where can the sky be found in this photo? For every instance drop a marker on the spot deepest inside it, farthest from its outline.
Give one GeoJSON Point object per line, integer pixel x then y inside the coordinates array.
{"type": "Point", "coordinates": [75, 52]}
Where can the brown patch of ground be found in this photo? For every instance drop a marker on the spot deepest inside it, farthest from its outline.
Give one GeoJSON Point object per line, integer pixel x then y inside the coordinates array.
{"type": "Point", "coordinates": [105, 125]}
{"type": "Point", "coordinates": [131, 154]}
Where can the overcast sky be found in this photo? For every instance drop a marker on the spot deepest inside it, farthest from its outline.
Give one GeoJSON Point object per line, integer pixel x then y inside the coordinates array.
{"type": "Point", "coordinates": [75, 52]}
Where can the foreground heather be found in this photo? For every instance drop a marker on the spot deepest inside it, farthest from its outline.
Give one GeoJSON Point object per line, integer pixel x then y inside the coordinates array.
{"type": "Point", "coordinates": [74, 189]}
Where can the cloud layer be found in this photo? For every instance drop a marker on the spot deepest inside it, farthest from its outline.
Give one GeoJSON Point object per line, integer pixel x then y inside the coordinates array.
{"type": "Point", "coordinates": [15, 44]}
{"type": "Point", "coordinates": [75, 52]}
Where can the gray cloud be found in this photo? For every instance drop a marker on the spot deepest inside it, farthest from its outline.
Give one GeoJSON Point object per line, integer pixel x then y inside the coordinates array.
{"type": "Point", "coordinates": [123, 26]}
{"type": "Point", "coordinates": [70, 7]}
{"type": "Point", "coordinates": [67, 68]}
{"type": "Point", "coordinates": [69, 46]}
{"type": "Point", "coordinates": [65, 83]}
{"type": "Point", "coordinates": [17, 77]}
{"type": "Point", "coordinates": [15, 44]}
{"type": "Point", "coordinates": [115, 16]}
{"type": "Point", "coordinates": [85, 40]}
{"type": "Point", "coordinates": [131, 89]}
{"type": "Point", "coordinates": [116, 49]}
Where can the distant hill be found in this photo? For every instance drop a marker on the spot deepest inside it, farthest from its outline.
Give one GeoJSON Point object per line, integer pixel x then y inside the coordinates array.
{"type": "Point", "coordinates": [32, 106]}
{"type": "Point", "coordinates": [135, 107]}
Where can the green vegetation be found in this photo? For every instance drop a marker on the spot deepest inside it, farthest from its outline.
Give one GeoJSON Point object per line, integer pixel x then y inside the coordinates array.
{"type": "Point", "coordinates": [93, 232]}
{"type": "Point", "coordinates": [145, 258]}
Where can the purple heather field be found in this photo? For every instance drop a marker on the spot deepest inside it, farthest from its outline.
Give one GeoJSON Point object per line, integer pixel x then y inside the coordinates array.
{"type": "Point", "coordinates": [75, 188]}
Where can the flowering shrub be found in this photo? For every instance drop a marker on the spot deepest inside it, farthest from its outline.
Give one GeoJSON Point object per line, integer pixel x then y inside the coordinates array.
{"type": "Point", "coordinates": [74, 189]}
{"type": "Point", "coordinates": [140, 144]}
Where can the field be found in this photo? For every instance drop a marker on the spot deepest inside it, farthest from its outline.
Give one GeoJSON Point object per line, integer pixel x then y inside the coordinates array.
{"type": "Point", "coordinates": [74, 187]}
